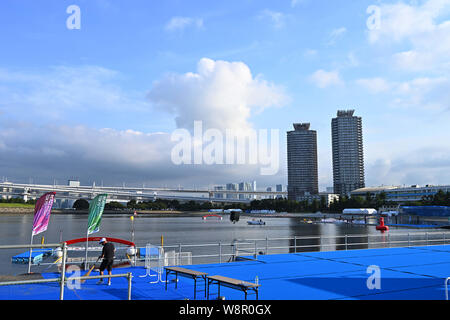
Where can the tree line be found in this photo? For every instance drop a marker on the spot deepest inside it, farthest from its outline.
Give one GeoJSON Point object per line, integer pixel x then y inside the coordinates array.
{"type": "Point", "coordinates": [18, 200]}
{"type": "Point", "coordinates": [280, 204]}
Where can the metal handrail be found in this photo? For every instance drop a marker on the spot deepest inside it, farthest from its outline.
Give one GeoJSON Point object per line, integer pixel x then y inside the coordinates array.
{"type": "Point", "coordinates": [253, 246]}
{"type": "Point", "coordinates": [250, 245]}
{"type": "Point", "coordinates": [62, 279]}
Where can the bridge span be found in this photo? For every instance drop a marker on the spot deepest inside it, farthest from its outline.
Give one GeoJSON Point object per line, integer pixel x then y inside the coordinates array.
{"type": "Point", "coordinates": [124, 194]}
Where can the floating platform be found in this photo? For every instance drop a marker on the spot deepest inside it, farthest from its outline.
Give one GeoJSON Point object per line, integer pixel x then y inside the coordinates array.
{"type": "Point", "coordinates": [37, 255]}
{"type": "Point", "coordinates": [413, 273]}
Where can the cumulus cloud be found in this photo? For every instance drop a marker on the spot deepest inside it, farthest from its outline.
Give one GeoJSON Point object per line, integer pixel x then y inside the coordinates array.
{"type": "Point", "coordinates": [421, 93]}
{"type": "Point", "coordinates": [47, 152]}
{"type": "Point", "coordinates": [32, 144]}
{"type": "Point", "coordinates": [80, 150]}
{"type": "Point", "coordinates": [427, 165]}
{"type": "Point", "coordinates": [222, 94]}
{"type": "Point", "coordinates": [422, 27]}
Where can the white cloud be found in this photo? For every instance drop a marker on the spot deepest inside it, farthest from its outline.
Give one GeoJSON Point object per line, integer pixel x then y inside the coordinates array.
{"type": "Point", "coordinates": [33, 143]}
{"type": "Point", "coordinates": [180, 23]}
{"type": "Point", "coordinates": [336, 34]}
{"type": "Point", "coordinates": [63, 91]}
{"type": "Point", "coordinates": [277, 19]}
{"type": "Point", "coordinates": [424, 93]}
{"type": "Point", "coordinates": [221, 94]}
{"type": "Point", "coordinates": [324, 79]}
{"type": "Point", "coordinates": [426, 165]}
{"type": "Point", "coordinates": [420, 27]}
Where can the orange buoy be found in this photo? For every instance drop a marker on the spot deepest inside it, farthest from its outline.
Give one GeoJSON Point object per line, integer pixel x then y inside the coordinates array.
{"type": "Point", "coordinates": [382, 226]}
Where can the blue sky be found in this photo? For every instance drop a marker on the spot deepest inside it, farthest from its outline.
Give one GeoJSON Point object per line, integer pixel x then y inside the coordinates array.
{"type": "Point", "coordinates": [100, 103]}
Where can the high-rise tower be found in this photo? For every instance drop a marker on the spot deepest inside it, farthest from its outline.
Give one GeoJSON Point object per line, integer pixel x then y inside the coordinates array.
{"type": "Point", "coordinates": [348, 153]}
{"type": "Point", "coordinates": [302, 161]}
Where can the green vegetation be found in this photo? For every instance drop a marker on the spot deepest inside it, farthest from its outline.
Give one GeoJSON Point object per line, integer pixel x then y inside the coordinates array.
{"type": "Point", "coordinates": [441, 198]}
{"type": "Point", "coordinates": [279, 205]}
{"type": "Point", "coordinates": [17, 203]}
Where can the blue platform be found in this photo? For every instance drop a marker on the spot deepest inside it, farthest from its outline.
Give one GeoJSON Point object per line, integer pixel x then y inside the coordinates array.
{"type": "Point", "coordinates": [36, 256]}
{"type": "Point", "coordinates": [415, 273]}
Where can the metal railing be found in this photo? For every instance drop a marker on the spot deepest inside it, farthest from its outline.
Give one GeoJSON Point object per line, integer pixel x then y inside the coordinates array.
{"type": "Point", "coordinates": [223, 252]}
{"type": "Point", "coordinates": [62, 279]}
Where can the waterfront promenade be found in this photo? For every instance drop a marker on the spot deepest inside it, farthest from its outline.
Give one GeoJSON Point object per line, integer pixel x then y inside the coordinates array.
{"type": "Point", "coordinates": [413, 273]}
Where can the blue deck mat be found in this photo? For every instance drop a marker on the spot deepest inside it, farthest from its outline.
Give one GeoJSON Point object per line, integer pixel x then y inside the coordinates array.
{"type": "Point", "coordinates": [406, 273]}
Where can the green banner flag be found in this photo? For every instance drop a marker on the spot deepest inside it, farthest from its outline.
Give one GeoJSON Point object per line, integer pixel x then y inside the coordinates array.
{"type": "Point", "coordinates": [96, 208]}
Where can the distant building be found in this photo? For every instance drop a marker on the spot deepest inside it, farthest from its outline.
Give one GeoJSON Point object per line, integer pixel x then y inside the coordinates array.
{"type": "Point", "coordinates": [279, 188]}
{"type": "Point", "coordinates": [232, 187]}
{"type": "Point", "coordinates": [401, 194]}
{"type": "Point", "coordinates": [218, 195]}
{"type": "Point", "coordinates": [245, 186]}
{"type": "Point", "coordinates": [328, 198]}
{"type": "Point", "coordinates": [302, 161]}
{"type": "Point", "coordinates": [73, 183]}
{"type": "Point", "coordinates": [348, 154]}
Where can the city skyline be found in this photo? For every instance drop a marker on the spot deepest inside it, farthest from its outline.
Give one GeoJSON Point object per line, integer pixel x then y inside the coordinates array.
{"type": "Point", "coordinates": [99, 100]}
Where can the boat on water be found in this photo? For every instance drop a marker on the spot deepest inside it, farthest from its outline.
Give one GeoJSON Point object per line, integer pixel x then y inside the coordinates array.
{"type": "Point", "coordinates": [256, 222]}
{"type": "Point", "coordinates": [359, 222]}
{"type": "Point", "coordinates": [205, 217]}
{"type": "Point", "coordinates": [332, 220]}
{"type": "Point", "coordinates": [359, 211]}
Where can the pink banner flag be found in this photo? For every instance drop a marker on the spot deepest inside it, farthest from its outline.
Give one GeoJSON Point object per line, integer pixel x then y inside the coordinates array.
{"type": "Point", "coordinates": [42, 212]}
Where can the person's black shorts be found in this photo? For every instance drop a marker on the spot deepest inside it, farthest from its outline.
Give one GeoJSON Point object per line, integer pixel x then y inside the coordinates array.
{"type": "Point", "coordinates": [106, 264]}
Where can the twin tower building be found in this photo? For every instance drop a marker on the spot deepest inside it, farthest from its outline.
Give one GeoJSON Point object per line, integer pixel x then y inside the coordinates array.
{"type": "Point", "coordinates": [348, 157]}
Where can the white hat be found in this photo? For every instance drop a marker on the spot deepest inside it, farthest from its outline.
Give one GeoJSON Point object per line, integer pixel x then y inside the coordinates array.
{"type": "Point", "coordinates": [102, 240]}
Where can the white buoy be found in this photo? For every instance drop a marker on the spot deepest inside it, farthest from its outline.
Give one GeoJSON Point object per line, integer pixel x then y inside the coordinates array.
{"type": "Point", "coordinates": [57, 252]}
{"type": "Point", "coordinates": [131, 251]}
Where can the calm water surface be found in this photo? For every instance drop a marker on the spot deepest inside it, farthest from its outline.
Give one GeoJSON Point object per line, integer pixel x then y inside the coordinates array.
{"type": "Point", "coordinates": [16, 229]}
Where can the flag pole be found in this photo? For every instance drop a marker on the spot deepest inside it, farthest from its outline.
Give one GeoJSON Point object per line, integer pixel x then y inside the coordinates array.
{"type": "Point", "coordinates": [42, 211]}
{"type": "Point", "coordinates": [29, 258]}
{"type": "Point", "coordinates": [87, 244]}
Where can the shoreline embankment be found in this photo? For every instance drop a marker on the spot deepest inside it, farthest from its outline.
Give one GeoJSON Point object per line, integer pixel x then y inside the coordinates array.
{"type": "Point", "coordinates": [166, 213]}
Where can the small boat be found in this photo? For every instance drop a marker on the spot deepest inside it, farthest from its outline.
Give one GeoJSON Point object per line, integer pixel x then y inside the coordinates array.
{"type": "Point", "coordinates": [212, 216]}
{"type": "Point", "coordinates": [362, 222]}
{"type": "Point", "coordinates": [256, 222]}
{"type": "Point", "coordinates": [332, 220]}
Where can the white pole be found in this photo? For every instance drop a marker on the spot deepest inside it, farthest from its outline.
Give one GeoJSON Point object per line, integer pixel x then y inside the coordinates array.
{"type": "Point", "coordinates": [87, 244]}
{"type": "Point", "coordinates": [29, 258]}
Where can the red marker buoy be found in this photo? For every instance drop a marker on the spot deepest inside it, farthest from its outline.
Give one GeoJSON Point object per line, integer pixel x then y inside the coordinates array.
{"type": "Point", "coordinates": [381, 226]}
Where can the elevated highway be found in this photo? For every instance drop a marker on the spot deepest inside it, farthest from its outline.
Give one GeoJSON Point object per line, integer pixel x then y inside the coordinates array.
{"type": "Point", "coordinates": [125, 194]}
